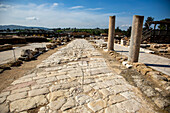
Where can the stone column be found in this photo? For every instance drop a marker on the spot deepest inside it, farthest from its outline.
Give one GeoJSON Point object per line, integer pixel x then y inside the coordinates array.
{"type": "Point", "coordinates": [136, 36]}
{"type": "Point", "coordinates": [111, 33]}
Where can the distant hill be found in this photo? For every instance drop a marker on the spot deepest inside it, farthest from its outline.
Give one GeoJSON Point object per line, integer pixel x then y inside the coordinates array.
{"type": "Point", "coordinates": [11, 27]}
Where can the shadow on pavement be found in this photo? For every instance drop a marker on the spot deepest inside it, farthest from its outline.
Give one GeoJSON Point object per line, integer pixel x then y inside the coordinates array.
{"type": "Point", "coordinates": [157, 65]}
{"type": "Point", "coordinates": [126, 51]}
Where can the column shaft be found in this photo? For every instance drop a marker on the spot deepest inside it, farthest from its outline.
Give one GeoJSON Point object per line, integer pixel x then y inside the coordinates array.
{"type": "Point", "coordinates": [135, 40]}
{"type": "Point", "coordinates": [111, 33]}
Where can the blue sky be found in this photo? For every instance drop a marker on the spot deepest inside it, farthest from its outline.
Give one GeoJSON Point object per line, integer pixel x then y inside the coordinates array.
{"type": "Point", "coordinates": [79, 13]}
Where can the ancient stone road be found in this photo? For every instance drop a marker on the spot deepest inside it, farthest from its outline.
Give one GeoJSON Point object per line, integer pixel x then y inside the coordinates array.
{"type": "Point", "coordinates": [75, 79]}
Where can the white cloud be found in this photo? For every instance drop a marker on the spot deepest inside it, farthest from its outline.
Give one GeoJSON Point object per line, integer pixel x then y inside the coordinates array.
{"type": "Point", "coordinates": [55, 4]}
{"type": "Point", "coordinates": [31, 18]}
{"type": "Point", "coordinates": [76, 7]}
{"type": "Point", "coordinates": [94, 9]}
{"type": "Point", "coordinates": [4, 7]}
{"type": "Point", "coordinates": [125, 25]}
{"type": "Point", "coordinates": [46, 16]}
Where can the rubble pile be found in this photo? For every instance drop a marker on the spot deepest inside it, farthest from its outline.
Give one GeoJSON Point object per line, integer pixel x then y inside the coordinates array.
{"type": "Point", "coordinates": [28, 54]}
{"type": "Point", "coordinates": [8, 65]}
{"type": "Point", "coordinates": [161, 48]}
{"type": "Point", "coordinates": [58, 42]}
{"type": "Point", "coordinates": [5, 47]}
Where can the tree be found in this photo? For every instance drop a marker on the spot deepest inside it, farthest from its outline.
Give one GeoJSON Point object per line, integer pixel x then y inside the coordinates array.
{"type": "Point", "coordinates": [128, 32]}
{"type": "Point", "coordinates": [105, 30]}
{"type": "Point", "coordinates": [162, 27]}
{"type": "Point", "coordinates": [118, 29]}
{"type": "Point", "coordinates": [147, 24]}
{"type": "Point", "coordinates": [8, 30]}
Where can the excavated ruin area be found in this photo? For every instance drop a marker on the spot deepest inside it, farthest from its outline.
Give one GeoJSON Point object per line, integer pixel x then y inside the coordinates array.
{"type": "Point", "coordinates": [76, 78]}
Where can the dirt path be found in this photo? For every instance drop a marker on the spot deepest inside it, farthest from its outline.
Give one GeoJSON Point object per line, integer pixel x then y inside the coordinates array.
{"type": "Point", "coordinates": [8, 76]}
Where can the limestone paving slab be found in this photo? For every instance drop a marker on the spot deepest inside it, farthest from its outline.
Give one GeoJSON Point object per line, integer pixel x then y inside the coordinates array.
{"type": "Point", "coordinates": [17, 96]}
{"type": "Point", "coordinates": [38, 92]}
{"type": "Point", "coordinates": [74, 79]}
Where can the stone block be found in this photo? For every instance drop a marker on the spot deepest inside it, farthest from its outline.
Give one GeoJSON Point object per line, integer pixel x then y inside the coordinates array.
{"type": "Point", "coordinates": [18, 86]}
{"type": "Point", "coordinates": [2, 94]}
{"type": "Point", "coordinates": [17, 96]}
{"type": "Point", "coordinates": [118, 58]}
{"type": "Point", "coordinates": [19, 81]}
{"type": "Point", "coordinates": [4, 108]}
{"type": "Point", "coordinates": [105, 92]}
{"type": "Point", "coordinates": [138, 64]}
{"type": "Point", "coordinates": [28, 103]}
{"type": "Point", "coordinates": [140, 67]}
{"type": "Point", "coordinates": [40, 86]}
{"type": "Point", "coordinates": [124, 63]}
{"type": "Point", "coordinates": [62, 77]}
{"type": "Point", "coordinates": [144, 71]}
{"type": "Point", "coordinates": [54, 95]}
{"type": "Point", "coordinates": [38, 92]}
{"type": "Point", "coordinates": [83, 99]}
{"type": "Point", "coordinates": [97, 105]}
{"type": "Point", "coordinates": [2, 99]}
{"type": "Point", "coordinates": [116, 99]}
{"type": "Point", "coordinates": [128, 94]}
{"type": "Point", "coordinates": [56, 105]}
{"type": "Point", "coordinates": [86, 88]}
{"type": "Point", "coordinates": [130, 106]}
{"type": "Point", "coordinates": [118, 89]}
{"type": "Point", "coordinates": [69, 104]}
{"type": "Point", "coordinates": [46, 80]}
{"type": "Point", "coordinates": [55, 87]}
{"type": "Point", "coordinates": [113, 109]}
{"type": "Point", "coordinates": [128, 66]}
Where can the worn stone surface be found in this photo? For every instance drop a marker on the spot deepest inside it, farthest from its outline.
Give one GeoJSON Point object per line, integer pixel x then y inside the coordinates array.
{"type": "Point", "coordinates": [75, 79]}
{"type": "Point", "coordinates": [54, 95]}
{"type": "Point", "coordinates": [4, 108]}
{"type": "Point", "coordinates": [82, 99]}
{"type": "Point", "coordinates": [2, 99]}
{"type": "Point", "coordinates": [118, 89]}
{"type": "Point", "coordinates": [105, 92]}
{"type": "Point", "coordinates": [4, 94]}
{"type": "Point", "coordinates": [46, 80]}
{"type": "Point", "coordinates": [113, 109]}
{"type": "Point", "coordinates": [38, 92]}
{"type": "Point", "coordinates": [20, 90]}
{"type": "Point", "coordinates": [116, 99]}
{"type": "Point", "coordinates": [21, 81]}
{"type": "Point", "coordinates": [28, 103]}
{"type": "Point", "coordinates": [129, 106]}
{"type": "Point", "coordinates": [55, 105]}
{"type": "Point", "coordinates": [69, 104]}
{"type": "Point", "coordinates": [97, 105]}
{"type": "Point", "coordinates": [17, 96]}
{"type": "Point", "coordinates": [55, 87]}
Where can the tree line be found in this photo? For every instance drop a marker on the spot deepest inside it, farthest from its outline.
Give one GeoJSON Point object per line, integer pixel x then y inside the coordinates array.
{"type": "Point", "coordinates": [98, 31]}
